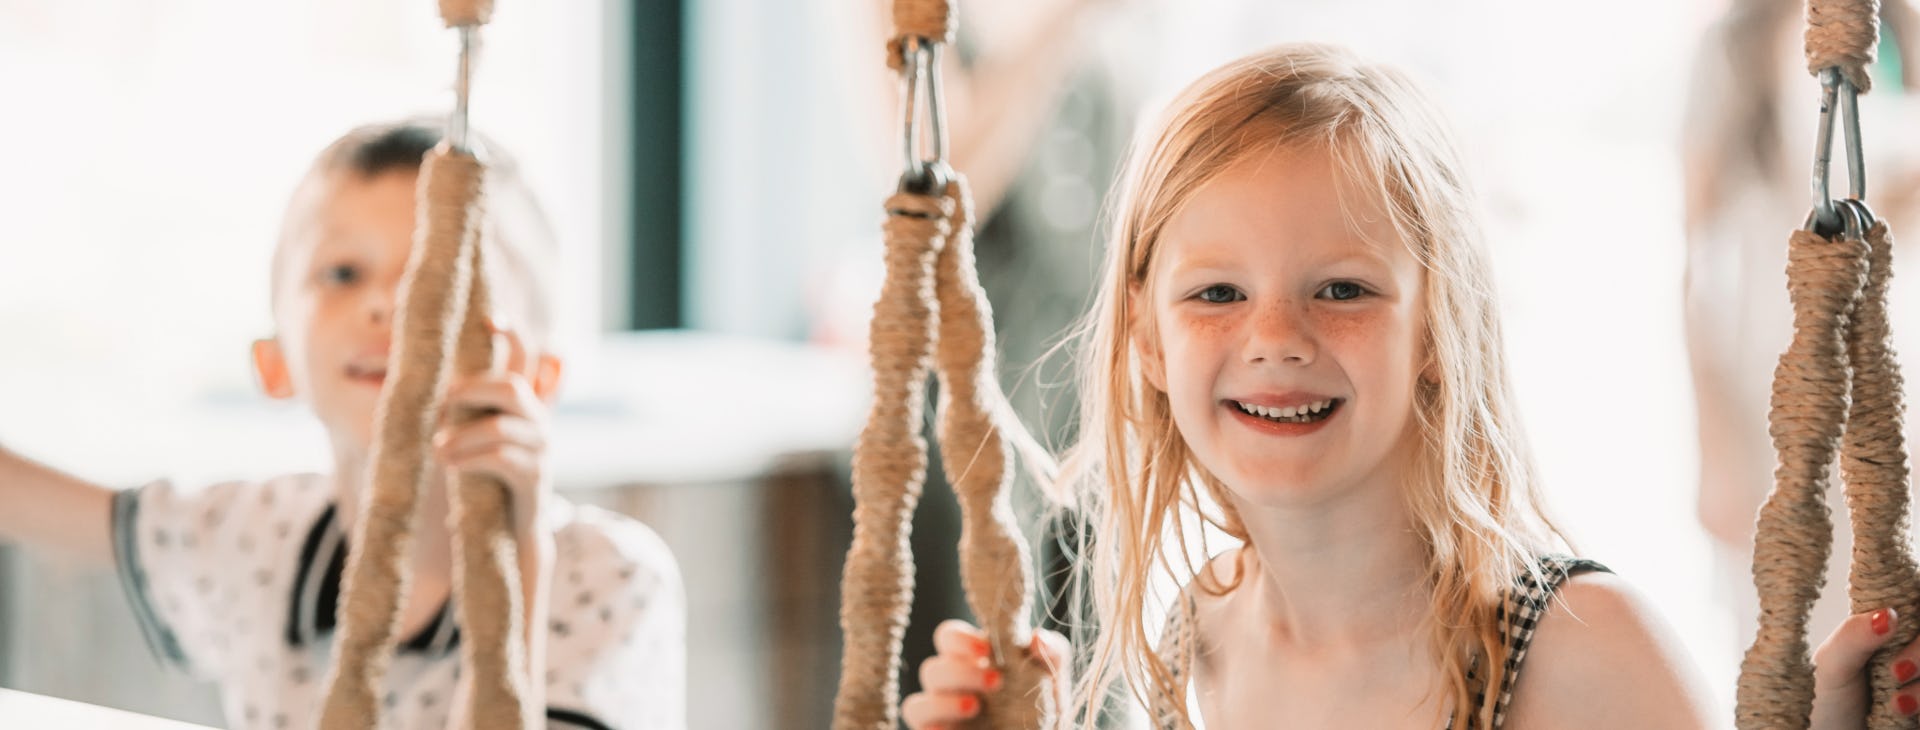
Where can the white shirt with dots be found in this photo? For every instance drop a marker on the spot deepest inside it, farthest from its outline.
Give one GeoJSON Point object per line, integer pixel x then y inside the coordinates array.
{"type": "Point", "coordinates": [238, 583]}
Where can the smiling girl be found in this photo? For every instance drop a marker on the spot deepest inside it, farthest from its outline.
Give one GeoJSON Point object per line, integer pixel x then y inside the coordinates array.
{"type": "Point", "coordinates": [1297, 342]}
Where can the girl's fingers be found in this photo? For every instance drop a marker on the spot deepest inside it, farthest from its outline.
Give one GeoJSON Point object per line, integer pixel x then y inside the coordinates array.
{"type": "Point", "coordinates": [958, 674]}
{"type": "Point", "coordinates": [957, 638]}
{"type": "Point", "coordinates": [1841, 660]}
{"type": "Point", "coordinates": [925, 710]}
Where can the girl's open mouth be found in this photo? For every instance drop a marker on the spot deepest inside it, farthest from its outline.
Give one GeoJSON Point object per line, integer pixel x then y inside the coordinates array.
{"type": "Point", "coordinates": [1305, 413]}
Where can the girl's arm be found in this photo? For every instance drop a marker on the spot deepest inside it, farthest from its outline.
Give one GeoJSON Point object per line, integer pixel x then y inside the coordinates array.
{"type": "Point", "coordinates": [1603, 658]}
{"type": "Point", "coordinates": [52, 510]}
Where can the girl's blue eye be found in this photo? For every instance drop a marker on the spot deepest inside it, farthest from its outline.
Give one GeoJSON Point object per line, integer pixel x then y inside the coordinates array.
{"type": "Point", "coordinates": [1220, 294]}
{"type": "Point", "coordinates": [340, 274]}
{"type": "Point", "coordinates": [1341, 291]}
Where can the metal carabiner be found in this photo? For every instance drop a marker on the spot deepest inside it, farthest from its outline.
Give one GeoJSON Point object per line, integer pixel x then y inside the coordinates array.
{"type": "Point", "coordinates": [457, 125]}
{"type": "Point", "coordinates": [1837, 94]}
{"type": "Point", "coordinates": [924, 175]}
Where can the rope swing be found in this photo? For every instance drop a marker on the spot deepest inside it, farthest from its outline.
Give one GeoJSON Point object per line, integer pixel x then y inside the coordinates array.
{"type": "Point", "coordinates": [1836, 390]}
{"type": "Point", "coordinates": [442, 307]}
{"type": "Point", "coordinates": [932, 314]}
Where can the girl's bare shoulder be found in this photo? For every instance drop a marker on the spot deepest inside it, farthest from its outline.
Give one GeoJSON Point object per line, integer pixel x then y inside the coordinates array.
{"type": "Point", "coordinates": [1603, 657]}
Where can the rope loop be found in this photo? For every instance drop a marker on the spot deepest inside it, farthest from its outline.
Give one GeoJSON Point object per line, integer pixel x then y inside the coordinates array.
{"type": "Point", "coordinates": [1843, 34]}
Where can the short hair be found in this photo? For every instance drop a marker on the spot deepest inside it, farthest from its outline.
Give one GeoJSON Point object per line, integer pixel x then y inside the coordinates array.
{"type": "Point", "coordinates": [516, 237]}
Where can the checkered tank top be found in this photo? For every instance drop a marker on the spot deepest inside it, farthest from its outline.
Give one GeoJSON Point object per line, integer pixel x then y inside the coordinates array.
{"type": "Point", "coordinates": [1530, 598]}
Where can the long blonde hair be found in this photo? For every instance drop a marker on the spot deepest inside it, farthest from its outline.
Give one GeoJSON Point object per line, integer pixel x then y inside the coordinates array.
{"type": "Point", "coordinates": [1474, 503]}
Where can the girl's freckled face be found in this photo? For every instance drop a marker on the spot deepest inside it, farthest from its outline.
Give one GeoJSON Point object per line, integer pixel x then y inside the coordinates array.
{"type": "Point", "coordinates": [1280, 287]}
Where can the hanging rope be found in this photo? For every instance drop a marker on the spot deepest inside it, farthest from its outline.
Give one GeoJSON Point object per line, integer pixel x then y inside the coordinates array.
{"type": "Point", "coordinates": [1843, 34]}
{"type": "Point", "coordinates": [933, 312]}
{"type": "Point", "coordinates": [1836, 390]}
{"type": "Point", "coordinates": [441, 323]}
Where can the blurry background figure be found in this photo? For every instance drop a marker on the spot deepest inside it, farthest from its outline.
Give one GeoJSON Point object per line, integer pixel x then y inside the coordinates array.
{"type": "Point", "coordinates": [1748, 150]}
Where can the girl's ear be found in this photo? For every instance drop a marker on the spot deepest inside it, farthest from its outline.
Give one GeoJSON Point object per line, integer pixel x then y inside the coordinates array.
{"type": "Point", "coordinates": [270, 364]}
{"type": "Point", "coordinates": [1146, 344]}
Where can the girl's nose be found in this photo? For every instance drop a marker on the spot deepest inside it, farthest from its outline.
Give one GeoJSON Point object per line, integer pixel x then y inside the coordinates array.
{"type": "Point", "coordinates": [1280, 335]}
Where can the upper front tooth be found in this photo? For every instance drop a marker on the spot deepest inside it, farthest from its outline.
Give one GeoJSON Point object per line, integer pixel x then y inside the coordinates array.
{"type": "Point", "coordinates": [1287, 412]}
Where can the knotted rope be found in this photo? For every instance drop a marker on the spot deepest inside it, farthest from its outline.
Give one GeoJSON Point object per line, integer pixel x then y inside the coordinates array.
{"type": "Point", "coordinates": [932, 314]}
{"type": "Point", "coordinates": [1836, 390]}
{"type": "Point", "coordinates": [443, 305]}
{"type": "Point", "coordinates": [1843, 34]}
{"type": "Point", "coordinates": [932, 294]}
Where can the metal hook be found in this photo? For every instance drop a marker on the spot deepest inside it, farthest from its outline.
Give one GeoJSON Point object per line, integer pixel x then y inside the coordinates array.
{"type": "Point", "coordinates": [457, 126]}
{"type": "Point", "coordinates": [1837, 95]}
{"type": "Point", "coordinates": [923, 174]}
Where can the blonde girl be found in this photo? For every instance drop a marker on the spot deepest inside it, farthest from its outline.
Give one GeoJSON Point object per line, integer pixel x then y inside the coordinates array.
{"type": "Point", "coordinates": [1296, 342]}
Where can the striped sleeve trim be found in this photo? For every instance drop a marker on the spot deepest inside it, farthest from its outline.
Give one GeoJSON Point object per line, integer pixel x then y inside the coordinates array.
{"type": "Point", "coordinates": [133, 580]}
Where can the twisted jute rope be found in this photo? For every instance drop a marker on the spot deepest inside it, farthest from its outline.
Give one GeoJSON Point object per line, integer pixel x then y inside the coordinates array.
{"type": "Point", "coordinates": [889, 468]}
{"type": "Point", "coordinates": [933, 295]}
{"type": "Point", "coordinates": [994, 558]}
{"type": "Point", "coordinates": [1843, 34]}
{"type": "Point", "coordinates": [932, 20]}
{"type": "Point", "coordinates": [1837, 389]}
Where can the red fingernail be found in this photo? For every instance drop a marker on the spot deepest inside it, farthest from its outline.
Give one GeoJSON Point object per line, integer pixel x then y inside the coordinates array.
{"type": "Point", "coordinates": [1905, 670]}
{"type": "Point", "coordinates": [970, 704]}
{"type": "Point", "coordinates": [1882, 622]}
{"type": "Point", "coordinates": [993, 679]}
{"type": "Point", "coordinates": [981, 647]}
{"type": "Point", "coordinates": [1907, 705]}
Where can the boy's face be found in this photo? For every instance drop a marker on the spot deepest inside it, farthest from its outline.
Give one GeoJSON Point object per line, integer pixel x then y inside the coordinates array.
{"type": "Point", "coordinates": [346, 250]}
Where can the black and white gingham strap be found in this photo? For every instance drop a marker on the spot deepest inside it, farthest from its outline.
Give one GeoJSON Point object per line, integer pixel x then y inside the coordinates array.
{"type": "Point", "coordinates": [1530, 600]}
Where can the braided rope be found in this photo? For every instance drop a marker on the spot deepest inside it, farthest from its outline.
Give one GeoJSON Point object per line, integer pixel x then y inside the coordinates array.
{"type": "Point", "coordinates": [889, 468]}
{"type": "Point", "coordinates": [1843, 34]}
{"type": "Point", "coordinates": [1836, 392]}
{"type": "Point", "coordinates": [434, 297]}
{"type": "Point", "coordinates": [993, 553]}
{"type": "Point", "coordinates": [486, 565]}
{"type": "Point", "coordinates": [1873, 458]}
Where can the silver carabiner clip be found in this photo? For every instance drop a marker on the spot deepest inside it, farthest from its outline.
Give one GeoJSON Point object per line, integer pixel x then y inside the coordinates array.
{"type": "Point", "coordinates": [457, 126]}
{"type": "Point", "coordinates": [1837, 94]}
{"type": "Point", "coordinates": [924, 175]}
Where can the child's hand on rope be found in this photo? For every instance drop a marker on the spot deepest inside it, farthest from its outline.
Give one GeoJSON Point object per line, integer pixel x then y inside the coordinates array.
{"type": "Point", "coordinates": [509, 440]}
{"type": "Point", "coordinates": [953, 680]}
{"type": "Point", "coordinates": [1840, 684]}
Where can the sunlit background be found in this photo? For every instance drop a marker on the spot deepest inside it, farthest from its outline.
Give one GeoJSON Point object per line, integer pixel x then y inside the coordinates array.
{"type": "Point", "coordinates": [715, 171]}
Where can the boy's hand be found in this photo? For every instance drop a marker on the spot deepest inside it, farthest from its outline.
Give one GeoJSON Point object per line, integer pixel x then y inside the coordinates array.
{"type": "Point", "coordinates": [953, 680]}
{"type": "Point", "coordinates": [509, 442]}
{"type": "Point", "coordinates": [1840, 685]}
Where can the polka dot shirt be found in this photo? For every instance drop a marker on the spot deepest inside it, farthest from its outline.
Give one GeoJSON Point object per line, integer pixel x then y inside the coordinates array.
{"type": "Point", "coordinates": [238, 583]}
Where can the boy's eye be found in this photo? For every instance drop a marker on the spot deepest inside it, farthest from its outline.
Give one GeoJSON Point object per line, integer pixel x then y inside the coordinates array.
{"type": "Point", "coordinates": [1220, 294]}
{"type": "Point", "coordinates": [340, 274]}
{"type": "Point", "coordinates": [1341, 291]}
